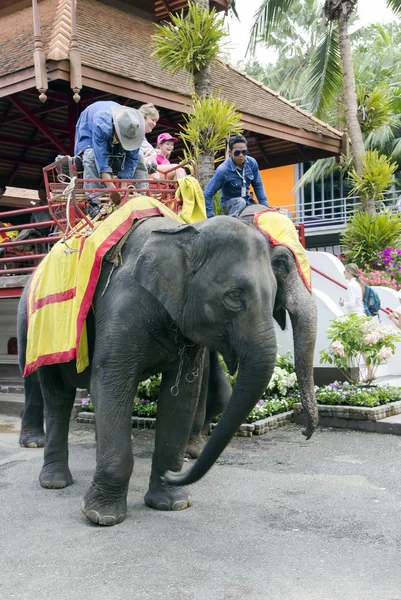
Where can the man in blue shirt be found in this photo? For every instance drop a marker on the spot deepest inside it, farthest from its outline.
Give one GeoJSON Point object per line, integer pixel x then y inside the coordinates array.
{"type": "Point", "coordinates": [233, 177]}
{"type": "Point", "coordinates": [108, 137]}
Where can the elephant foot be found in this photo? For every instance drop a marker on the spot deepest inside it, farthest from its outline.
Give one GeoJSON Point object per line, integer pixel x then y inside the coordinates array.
{"type": "Point", "coordinates": [194, 447]}
{"type": "Point", "coordinates": [34, 439]}
{"type": "Point", "coordinates": [104, 509]}
{"type": "Point", "coordinates": [55, 476]}
{"type": "Point", "coordinates": [164, 497]}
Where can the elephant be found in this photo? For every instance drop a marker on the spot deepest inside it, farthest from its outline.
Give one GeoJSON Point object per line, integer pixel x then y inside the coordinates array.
{"type": "Point", "coordinates": [292, 297]}
{"type": "Point", "coordinates": [180, 290]}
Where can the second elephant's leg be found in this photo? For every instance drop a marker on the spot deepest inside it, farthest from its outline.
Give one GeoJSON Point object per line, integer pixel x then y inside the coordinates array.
{"type": "Point", "coordinates": [175, 414]}
{"type": "Point", "coordinates": [196, 440]}
{"type": "Point", "coordinates": [32, 434]}
{"type": "Point", "coordinates": [214, 397]}
{"type": "Point", "coordinates": [58, 399]}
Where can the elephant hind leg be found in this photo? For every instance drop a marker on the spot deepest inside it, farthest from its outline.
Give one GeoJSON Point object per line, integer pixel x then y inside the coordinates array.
{"type": "Point", "coordinates": [175, 416]}
{"type": "Point", "coordinates": [59, 400]}
{"type": "Point", "coordinates": [32, 434]}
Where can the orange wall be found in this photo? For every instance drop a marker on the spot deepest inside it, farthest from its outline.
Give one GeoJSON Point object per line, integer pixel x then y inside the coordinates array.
{"type": "Point", "coordinates": [279, 184]}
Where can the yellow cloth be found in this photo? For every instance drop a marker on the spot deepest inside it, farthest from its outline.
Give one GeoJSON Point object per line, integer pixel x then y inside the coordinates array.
{"type": "Point", "coordinates": [62, 287]}
{"type": "Point", "coordinates": [7, 236]}
{"type": "Point", "coordinates": [281, 232]}
{"type": "Point", "coordinates": [193, 202]}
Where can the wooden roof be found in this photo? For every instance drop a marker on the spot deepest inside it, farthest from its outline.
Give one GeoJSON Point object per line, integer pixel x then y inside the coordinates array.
{"type": "Point", "coordinates": [117, 64]}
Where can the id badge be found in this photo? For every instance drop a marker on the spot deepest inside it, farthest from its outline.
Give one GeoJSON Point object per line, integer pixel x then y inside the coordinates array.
{"type": "Point", "coordinates": [243, 192]}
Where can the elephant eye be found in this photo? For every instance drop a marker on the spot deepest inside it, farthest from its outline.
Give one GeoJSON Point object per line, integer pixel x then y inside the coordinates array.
{"type": "Point", "coordinates": [234, 299]}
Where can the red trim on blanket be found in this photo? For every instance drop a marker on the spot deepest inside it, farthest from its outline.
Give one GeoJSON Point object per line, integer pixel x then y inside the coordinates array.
{"type": "Point", "coordinates": [50, 359]}
{"type": "Point", "coordinates": [97, 263]}
{"type": "Point", "coordinates": [72, 353]}
{"type": "Point", "coordinates": [53, 299]}
{"type": "Point", "coordinates": [275, 242]}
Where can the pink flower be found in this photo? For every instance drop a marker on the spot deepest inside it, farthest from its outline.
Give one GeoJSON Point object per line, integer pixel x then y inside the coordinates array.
{"type": "Point", "coordinates": [337, 348]}
{"type": "Point", "coordinates": [384, 353]}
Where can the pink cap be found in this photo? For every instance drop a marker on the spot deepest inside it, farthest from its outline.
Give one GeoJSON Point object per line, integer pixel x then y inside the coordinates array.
{"type": "Point", "coordinates": [165, 137]}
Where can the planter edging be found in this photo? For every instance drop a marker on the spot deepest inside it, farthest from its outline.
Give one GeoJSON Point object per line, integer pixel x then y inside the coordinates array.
{"type": "Point", "coordinates": [246, 430]}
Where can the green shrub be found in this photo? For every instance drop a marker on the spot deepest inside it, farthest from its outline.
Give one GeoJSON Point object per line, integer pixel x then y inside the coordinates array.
{"type": "Point", "coordinates": [368, 234]}
{"type": "Point", "coordinates": [376, 178]}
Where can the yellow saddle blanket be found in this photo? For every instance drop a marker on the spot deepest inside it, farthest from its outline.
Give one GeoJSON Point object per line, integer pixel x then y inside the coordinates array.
{"type": "Point", "coordinates": [62, 287]}
{"type": "Point", "coordinates": [281, 232]}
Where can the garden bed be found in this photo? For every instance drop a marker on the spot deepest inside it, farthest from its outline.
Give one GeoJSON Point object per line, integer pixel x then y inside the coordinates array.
{"type": "Point", "coordinates": [340, 405]}
{"type": "Point", "coordinates": [351, 417]}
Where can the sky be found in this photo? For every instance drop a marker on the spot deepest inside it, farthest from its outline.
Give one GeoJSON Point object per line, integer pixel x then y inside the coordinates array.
{"type": "Point", "coordinates": [369, 11]}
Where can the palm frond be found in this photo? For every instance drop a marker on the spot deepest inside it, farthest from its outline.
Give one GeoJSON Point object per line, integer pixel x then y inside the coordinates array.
{"type": "Point", "coordinates": [324, 72]}
{"type": "Point", "coordinates": [394, 5]}
{"type": "Point", "coordinates": [396, 150]}
{"type": "Point", "coordinates": [233, 7]}
{"type": "Point", "coordinates": [321, 168]}
{"type": "Point", "coordinates": [189, 42]}
{"type": "Point", "coordinates": [380, 138]}
{"type": "Point", "coordinates": [269, 15]}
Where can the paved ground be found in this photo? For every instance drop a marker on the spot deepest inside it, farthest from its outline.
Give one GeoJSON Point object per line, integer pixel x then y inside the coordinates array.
{"type": "Point", "coordinates": [277, 519]}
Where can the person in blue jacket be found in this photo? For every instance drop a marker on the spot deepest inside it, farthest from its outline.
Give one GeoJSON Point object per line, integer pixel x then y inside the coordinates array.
{"type": "Point", "coordinates": [108, 137]}
{"type": "Point", "coordinates": [233, 177]}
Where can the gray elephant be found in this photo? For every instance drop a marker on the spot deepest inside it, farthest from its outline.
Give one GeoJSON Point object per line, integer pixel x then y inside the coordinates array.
{"type": "Point", "coordinates": [180, 289]}
{"type": "Point", "coordinates": [292, 297]}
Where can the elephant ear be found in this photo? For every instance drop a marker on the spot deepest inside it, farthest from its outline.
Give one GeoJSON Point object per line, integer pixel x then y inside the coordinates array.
{"type": "Point", "coordinates": [165, 265]}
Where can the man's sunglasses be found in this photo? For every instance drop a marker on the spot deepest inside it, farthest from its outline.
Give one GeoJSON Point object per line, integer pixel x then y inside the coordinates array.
{"type": "Point", "coordinates": [238, 152]}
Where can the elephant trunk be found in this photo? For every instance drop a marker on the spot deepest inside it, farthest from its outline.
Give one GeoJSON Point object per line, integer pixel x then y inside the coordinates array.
{"type": "Point", "coordinates": [255, 370]}
{"type": "Point", "coordinates": [304, 331]}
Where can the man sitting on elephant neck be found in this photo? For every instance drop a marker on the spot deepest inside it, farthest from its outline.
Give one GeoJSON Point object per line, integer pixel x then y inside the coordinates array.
{"type": "Point", "coordinates": [233, 177]}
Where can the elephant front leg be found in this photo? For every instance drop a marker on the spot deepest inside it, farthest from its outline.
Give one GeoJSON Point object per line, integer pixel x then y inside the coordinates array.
{"type": "Point", "coordinates": [105, 503]}
{"type": "Point", "coordinates": [58, 399]}
{"type": "Point", "coordinates": [32, 433]}
{"type": "Point", "coordinates": [175, 414]}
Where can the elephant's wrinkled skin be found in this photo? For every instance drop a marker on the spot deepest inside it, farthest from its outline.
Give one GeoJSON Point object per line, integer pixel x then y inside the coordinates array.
{"type": "Point", "coordinates": [179, 289]}
{"type": "Point", "coordinates": [292, 296]}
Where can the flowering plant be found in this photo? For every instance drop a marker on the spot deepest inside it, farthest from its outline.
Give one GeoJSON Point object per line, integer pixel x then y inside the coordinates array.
{"type": "Point", "coordinates": [389, 260]}
{"type": "Point", "coordinates": [351, 395]}
{"type": "Point", "coordinates": [377, 277]}
{"type": "Point", "coordinates": [353, 337]}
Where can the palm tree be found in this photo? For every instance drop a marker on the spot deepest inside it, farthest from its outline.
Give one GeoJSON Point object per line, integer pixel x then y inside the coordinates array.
{"type": "Point", "coordinates": [335, 44]}
{"type": "Point", "coordinates": [191, 42]}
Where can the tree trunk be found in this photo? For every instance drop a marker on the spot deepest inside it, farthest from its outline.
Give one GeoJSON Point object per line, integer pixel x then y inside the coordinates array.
{"type": "Point", "coordinates": [351, 102]}
{"type": "Point", "coordinates": [206, 168]}
{"type": "Point", "coordinates": [203, 82]}
{"type": "Point", "coordinates": [203, 88]}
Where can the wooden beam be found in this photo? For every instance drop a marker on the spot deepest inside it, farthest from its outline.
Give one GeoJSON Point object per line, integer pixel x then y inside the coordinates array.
{"type": "Point", "coordinates": [24, 161]}
{"type": "Point", "coordinates": [42, 111]}
{"type": "Point", "coordinates": [17, 163]}
{"type": "Point", "coordinates": [39, 124]}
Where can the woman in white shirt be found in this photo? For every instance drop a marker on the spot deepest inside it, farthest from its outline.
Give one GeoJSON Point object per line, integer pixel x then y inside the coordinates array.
{"type": "Point", "coordinates": [354, 304]}
{"type": "Point", "coordinates": [356, 291]}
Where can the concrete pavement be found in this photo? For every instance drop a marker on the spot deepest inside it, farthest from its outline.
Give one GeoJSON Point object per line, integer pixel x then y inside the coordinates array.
{"type": "Point", "coordinates": [277, 518]}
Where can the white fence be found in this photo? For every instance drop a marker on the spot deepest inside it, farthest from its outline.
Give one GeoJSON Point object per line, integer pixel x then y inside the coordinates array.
{"type": "Point", "coordinates": [334, 213]}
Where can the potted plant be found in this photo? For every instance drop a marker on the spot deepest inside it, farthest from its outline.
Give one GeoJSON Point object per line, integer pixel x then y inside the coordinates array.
{"type": "Point", "coordinates": [358, 341]}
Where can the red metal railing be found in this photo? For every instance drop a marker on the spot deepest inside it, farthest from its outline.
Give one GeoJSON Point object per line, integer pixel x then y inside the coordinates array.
{"type": "Point", "coordinates": [21, 256]}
